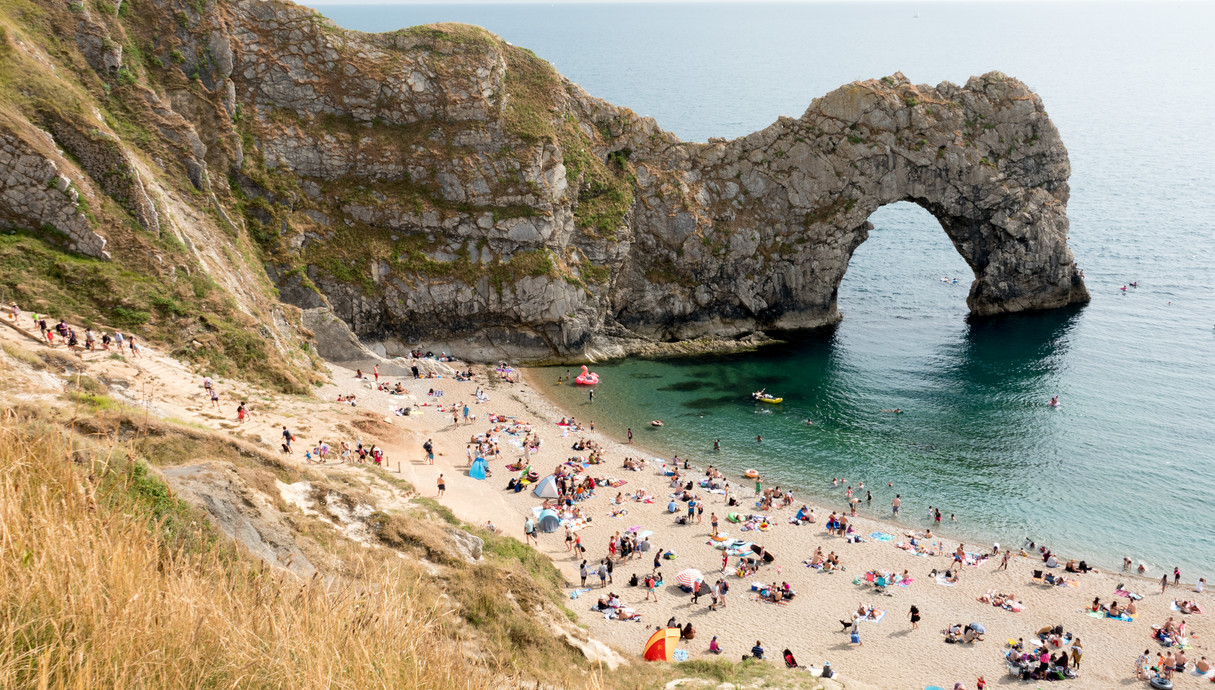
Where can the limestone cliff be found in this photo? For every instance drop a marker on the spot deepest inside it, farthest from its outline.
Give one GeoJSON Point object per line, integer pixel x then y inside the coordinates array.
{"type": "Point", "coordinates": [439, 185]}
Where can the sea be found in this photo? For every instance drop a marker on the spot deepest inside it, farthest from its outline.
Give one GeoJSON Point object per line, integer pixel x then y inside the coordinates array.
{"type": "Point", "coordinates": [1125, 466]}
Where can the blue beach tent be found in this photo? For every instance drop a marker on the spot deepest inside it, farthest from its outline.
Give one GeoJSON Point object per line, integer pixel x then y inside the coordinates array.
{"type": "Point", "coordinates": [479, 468]}
{"type": "Point", "coordinates": [549, 521]}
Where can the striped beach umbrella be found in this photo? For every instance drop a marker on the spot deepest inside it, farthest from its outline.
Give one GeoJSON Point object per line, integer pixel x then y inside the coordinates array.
{"type": "Point", "coordinates": [687, 577]}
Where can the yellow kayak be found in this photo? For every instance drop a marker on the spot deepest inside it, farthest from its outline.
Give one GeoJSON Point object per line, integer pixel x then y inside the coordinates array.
{"type": "Point", "coordinates": [771, 400]}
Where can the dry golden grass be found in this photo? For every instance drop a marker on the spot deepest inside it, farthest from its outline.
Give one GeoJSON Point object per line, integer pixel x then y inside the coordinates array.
{"type": "Point", "coordinates": [107, 581]}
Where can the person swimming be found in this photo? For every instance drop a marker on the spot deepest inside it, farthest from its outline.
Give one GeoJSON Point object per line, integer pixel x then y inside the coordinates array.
{"type": "Point", "coordinates": [808, 423]}
{"type": "Point", "coordinates": [1054, 401]}
{"type": "Point", "coordinates": [896, 410]}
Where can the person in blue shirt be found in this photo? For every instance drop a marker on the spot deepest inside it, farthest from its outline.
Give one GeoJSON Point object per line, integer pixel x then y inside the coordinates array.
{"type": "Point", "coordinates": [758, 650]}
{"type": "Point", "coordinates": [671, 507]}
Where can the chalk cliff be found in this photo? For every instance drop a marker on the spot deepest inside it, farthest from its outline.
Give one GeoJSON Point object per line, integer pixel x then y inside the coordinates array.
{"type": "Point", "coordinates": [438, 185]}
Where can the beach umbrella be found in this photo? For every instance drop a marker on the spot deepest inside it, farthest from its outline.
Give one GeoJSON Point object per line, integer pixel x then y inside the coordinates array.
{"type": "Point", "coordinates": [661, 645]}
{"type": "Point", "coordinates": [687, 577]}
{"type": "Point", "coordinates": [978, 628]}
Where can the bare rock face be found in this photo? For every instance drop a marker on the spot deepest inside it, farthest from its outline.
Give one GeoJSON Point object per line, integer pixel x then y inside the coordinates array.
{"type": "Point", "coordinates": [437, 185]}
{"type": "Point", "coordinates": [35, 194]}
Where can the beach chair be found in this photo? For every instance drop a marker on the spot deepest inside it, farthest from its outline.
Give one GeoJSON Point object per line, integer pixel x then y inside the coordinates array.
{"type": "Point", "coordinates": [1039, 578]}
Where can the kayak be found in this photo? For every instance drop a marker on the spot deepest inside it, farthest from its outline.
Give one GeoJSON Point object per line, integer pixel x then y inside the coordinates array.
{"type": "Point", "coordinates": [771, 400]}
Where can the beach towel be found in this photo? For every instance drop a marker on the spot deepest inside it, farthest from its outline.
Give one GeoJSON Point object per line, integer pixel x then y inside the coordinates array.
{"type": "Point", "coordinates": [1200, 674]}
{"type": "Point", "coordinates": [1102, 614]}
{"type": "Point", "coordinates": [875, 620]}
{"type": "Point", "coordinates": [679, 655]}
{"type": "Point", "coordinates": [945, 583]}
{"type": "Point", "coordinates": [579, 592]}
{"type": "Point", "coordinates": [1128, 595]}
{"type": "Point", "coordinates": [1178, 609]}
{"type": "Point", "coordinates": [882, 536]}
{"type": "Point", "coordinates": [769, 601]}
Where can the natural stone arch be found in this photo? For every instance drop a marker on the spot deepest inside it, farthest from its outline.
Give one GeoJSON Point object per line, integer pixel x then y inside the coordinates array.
{"type": "Point", "coordinates": [758, 231]}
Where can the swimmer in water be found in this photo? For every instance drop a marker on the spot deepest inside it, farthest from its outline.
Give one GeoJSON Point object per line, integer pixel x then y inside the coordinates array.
{"type": "Point", "coordinates": [1123, 288]}
{"type": "Point", "coordinates": [894, 411]}
{"type": "Point", "coordinates": [1135, 284]}
{"type": "Point", "coordinates": [716, 444]}
{"type": "Point", "coordinates": [809, 423]}
{"type": "Point", "coordinates": [1054, 401]}
{"type": "Point", "coordinates": [759, 439]}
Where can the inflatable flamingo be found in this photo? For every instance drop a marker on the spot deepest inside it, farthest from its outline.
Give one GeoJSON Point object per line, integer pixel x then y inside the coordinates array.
{"type": "Point", "coordinates": [586, 378]}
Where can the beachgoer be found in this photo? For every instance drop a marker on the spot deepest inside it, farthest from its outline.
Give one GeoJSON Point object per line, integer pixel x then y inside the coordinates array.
{"type": "Point", "coordinates": [529, 536]}
{"type": "Point", "coordinates": [914, 615]}
{"type": "Point", "coordinates": [630, 441]}
{"type": "Point", "coordinates": [758, 650]}
{"type": "Point", "coordinates": [896, 504]}
{"type": "Point", "coordinates": [429, 447]}
{"type": "Point", "coordinates": [442, 486]}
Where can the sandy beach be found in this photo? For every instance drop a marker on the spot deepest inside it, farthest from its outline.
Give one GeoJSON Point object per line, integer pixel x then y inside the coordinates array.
{"type": "Point", "coordinates": [892, 654]}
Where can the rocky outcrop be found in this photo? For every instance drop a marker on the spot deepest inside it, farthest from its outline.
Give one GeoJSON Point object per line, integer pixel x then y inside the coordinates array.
{"type": "Point", "coordinates": [438, 185]}
{"type": "Point", "coordinates": [36, 195]}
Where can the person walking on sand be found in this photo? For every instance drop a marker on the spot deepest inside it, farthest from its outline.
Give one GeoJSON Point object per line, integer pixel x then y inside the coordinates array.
{"type": "Point", "coordinates": [1077, 652]}
{"type": "Point", "coordinates": [1004, 561]}
{"type": "Point", "coordinates": [429, 447]}
{"type": "Point", "coordinates": [713, 523]}
{"type": "Point", "coordinates": [582, 572]}
{"type": "Point", "coordinates": [529, 533]}
{"type": "Point", "coordinates": [630, 431]}
{"type": "Point", "coordinates": [602, 575]}
{"type": "Point", "coordinates": [914, 615]}
{"type": "Point", "coordinates": [1176, 576]}
{"type": "Point", "coordinates": [442, 486]}
{"type": "Point", "coordinates": [651, 587]}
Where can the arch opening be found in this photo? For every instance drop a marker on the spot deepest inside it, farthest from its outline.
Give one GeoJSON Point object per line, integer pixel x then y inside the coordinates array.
{"type": "Point", "coordinates": [905, 264]}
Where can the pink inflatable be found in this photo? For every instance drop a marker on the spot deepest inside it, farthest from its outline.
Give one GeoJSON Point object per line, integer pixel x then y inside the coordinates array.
{"type": "Point", "coordinates": [586, 378]}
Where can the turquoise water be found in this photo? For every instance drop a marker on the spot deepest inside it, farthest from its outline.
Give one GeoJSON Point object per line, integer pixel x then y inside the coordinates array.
{"type": "Point", "coordinates": [1125, 465]}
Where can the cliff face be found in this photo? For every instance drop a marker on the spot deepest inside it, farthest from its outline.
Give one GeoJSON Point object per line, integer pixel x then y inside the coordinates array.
{"type": "Point", "coordinates": [437, 184]}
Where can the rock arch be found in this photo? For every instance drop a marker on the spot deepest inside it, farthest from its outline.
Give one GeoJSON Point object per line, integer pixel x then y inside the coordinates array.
{"type": "Point", "coordinates": [758, 231]}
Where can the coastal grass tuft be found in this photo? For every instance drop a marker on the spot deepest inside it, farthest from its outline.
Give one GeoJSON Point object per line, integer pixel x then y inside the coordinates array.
{"type": "Point", "coordinates": [107, 580]}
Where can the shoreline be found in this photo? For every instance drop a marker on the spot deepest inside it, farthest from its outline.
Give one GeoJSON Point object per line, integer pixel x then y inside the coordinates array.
{"type": "Point", "coordinates": [530, 376]}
